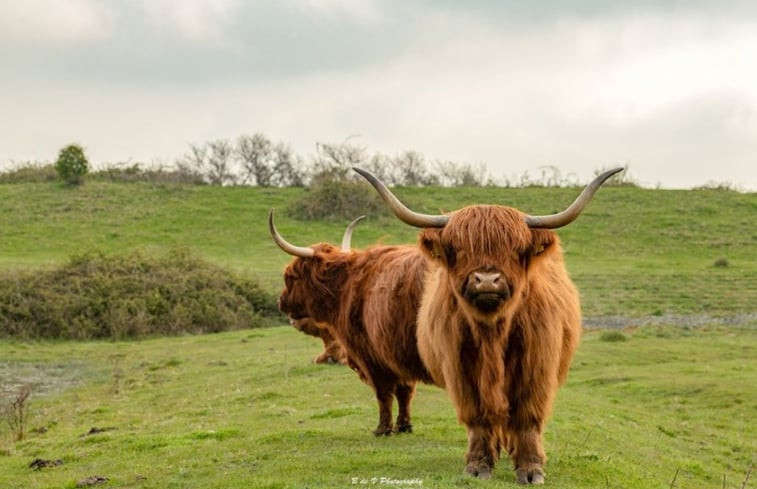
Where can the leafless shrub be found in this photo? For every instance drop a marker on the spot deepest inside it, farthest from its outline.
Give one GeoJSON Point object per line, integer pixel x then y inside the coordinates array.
{"type": "Point", "coordinates": [746, 476]}
{"type": "Point", "coordinates": [17, 413]}
{"type": "Point", "coordinates": [719, 186]}
{"type": "Point", "coordinates": [29, 172]}
{"type": "Point", "coordinates": [621, 179]}
{"type": "Point", "coordinates": [451, 174]}
{"type": "Point", "coordinates": [160, 173]}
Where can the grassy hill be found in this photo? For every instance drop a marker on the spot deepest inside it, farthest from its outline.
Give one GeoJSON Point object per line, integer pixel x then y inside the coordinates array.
{"type": "Point", "coordinates": [634, 252]}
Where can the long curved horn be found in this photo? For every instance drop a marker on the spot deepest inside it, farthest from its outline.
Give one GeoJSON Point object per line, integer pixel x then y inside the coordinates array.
{"type": "Point", "coordinates": [567, 216]}
{"type": "Point", "coordinates": [403, 213]}
{"type": "Point", "coordinates": [348, 233]}
{"type": "Point", "coordinates": [300, 251]}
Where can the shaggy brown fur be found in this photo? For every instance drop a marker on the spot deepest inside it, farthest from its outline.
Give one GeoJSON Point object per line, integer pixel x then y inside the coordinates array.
{"type": "Point", "coordinates": [501, 359]}
{"type": "Point", "coordinates": [370, 299]}
{"type": "Point", "coordinates": [332, 350]}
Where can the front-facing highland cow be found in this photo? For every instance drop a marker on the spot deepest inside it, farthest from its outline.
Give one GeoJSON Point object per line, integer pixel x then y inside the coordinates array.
{"type": "Point", "coordinates": [370, 298]}
{"type": "Point", "coordinates": [498, 323]}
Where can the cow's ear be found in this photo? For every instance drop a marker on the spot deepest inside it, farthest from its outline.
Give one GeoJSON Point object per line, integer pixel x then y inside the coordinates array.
{"type": "Point", "coordinates": [541, 241]}
{"type": "Point", "coordinates": [430, 241]}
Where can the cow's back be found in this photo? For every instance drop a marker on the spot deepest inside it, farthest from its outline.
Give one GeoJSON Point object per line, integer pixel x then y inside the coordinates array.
{"type": "Point", "coordinates": [386, 296]}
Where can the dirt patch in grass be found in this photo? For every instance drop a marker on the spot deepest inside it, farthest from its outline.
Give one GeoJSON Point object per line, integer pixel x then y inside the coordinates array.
{"type": "Point", "coordinates": [681, 320]}
{"type": "Point", "coordinates": [42, 378]}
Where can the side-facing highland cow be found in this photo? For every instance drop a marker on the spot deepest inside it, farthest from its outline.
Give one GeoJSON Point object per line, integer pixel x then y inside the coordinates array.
{"type": "Point", "coordinates": [498, 323]}
{"type": "Point", "coordinates": [333, 352]}
{"type": "Point", "coordinates": [370, 297]}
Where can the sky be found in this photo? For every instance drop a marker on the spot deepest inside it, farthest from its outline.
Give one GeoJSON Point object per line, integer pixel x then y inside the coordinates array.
{"type": "Point", "coordinates": [667, 88]}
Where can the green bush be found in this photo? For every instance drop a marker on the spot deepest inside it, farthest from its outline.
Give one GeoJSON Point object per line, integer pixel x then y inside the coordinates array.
{"type": "Point", "coordinates": [336, 199]}
{"type": "Point", "coordinates": [72, 164]}
{"type": "Point", "coordinates": [613, 336]}
{"type": "Point", "coordinates": [130, 296]}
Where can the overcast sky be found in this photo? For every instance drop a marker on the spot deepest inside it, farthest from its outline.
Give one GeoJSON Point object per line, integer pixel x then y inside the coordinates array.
{"type": "Point", "coordinates": [669, 88]}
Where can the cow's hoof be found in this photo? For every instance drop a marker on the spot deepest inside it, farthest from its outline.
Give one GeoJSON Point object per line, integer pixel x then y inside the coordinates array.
{"type": "Point", "coordinates": [404, 428]}
{"type": "Point", "coordinates": [482, 471]}
{"type": "Point", "coordinates": [383, 431]}
{"type": "Point", "coordinates": [532, 475]}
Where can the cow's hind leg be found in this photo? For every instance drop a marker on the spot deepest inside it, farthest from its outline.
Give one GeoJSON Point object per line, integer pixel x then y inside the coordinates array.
{"type": "Point", "coordinates": [404, 394]}
{"type": "Point", "coordinates": [384, 396]}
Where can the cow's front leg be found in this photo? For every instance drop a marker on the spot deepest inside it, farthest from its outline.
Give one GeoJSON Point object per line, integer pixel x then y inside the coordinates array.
{"type": "Point", "coordinates": [404, 394]}
{"type": "Point", "coordinates": [483, 451]}
{"type": "Point", "coordinates": [527, 454]}
{"type": "Point", "coordinates": [384, 396]}
{"type": "Point", "coordinates": [524, 437]}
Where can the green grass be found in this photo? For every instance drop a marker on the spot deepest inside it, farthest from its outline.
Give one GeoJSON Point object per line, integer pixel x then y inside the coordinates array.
{"type": "Point", "coordinates": [247, 409]}
{"type": "Point", "coordinates": [634, 252]}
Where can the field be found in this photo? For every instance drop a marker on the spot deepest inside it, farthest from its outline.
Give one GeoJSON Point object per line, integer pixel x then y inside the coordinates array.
{"type": "Point", "coordinates": [247, 409]}
{"type": "Point", "coordinates": [653, 406]}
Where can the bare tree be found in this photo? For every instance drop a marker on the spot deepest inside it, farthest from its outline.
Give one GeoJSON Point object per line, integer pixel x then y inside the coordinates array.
{"type": "Point", "coordinates": [287, 168]}
{"type": "Point", "coordinates": [194, 161]}
{"type": "Point", "coordinates": [211, 160]}
{"type": "Point", "coordinates": [412, 169]}
{"type": "Point", "coordinates": [384, 168]}
{"type": "Point", "coordinates": [219, 163]}
{"type": "Point", "coordinates": [257, 155]}
{"type": "Point", "coordinates": [335, 161]}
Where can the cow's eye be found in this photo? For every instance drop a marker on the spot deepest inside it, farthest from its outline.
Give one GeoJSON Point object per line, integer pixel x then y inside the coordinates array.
{"type": "Point", "coordinates": [452, 255]}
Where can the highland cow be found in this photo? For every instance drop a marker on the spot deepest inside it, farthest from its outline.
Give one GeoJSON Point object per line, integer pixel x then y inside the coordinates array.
{"type": "Point", "coordinates": [333, 352]}
{"type": "Point", "coordinates": [498, 323]}
{"type": "Point", "coordinates": [370, 299]}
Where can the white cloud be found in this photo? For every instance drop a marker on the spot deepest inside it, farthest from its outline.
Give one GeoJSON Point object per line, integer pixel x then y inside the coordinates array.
{"type": "Point", "coordinates": [648, 65]}
{"type": "Point", "coordinates": [679, 105]}
{"type": "Point", "coordinates": [673, 95]}
{"type": "Point", "coordinates": [194, 20]}
{"type": "Point", "coordinates": [52, 22]}
{"type": "Point", "coordinates": [356, 10]}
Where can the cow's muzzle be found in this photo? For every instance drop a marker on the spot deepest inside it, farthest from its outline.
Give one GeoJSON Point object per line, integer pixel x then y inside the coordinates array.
{"type": "Point", "coordinates": [286, 307]}
{"type": "Point", "coordinates": [486, 290]}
